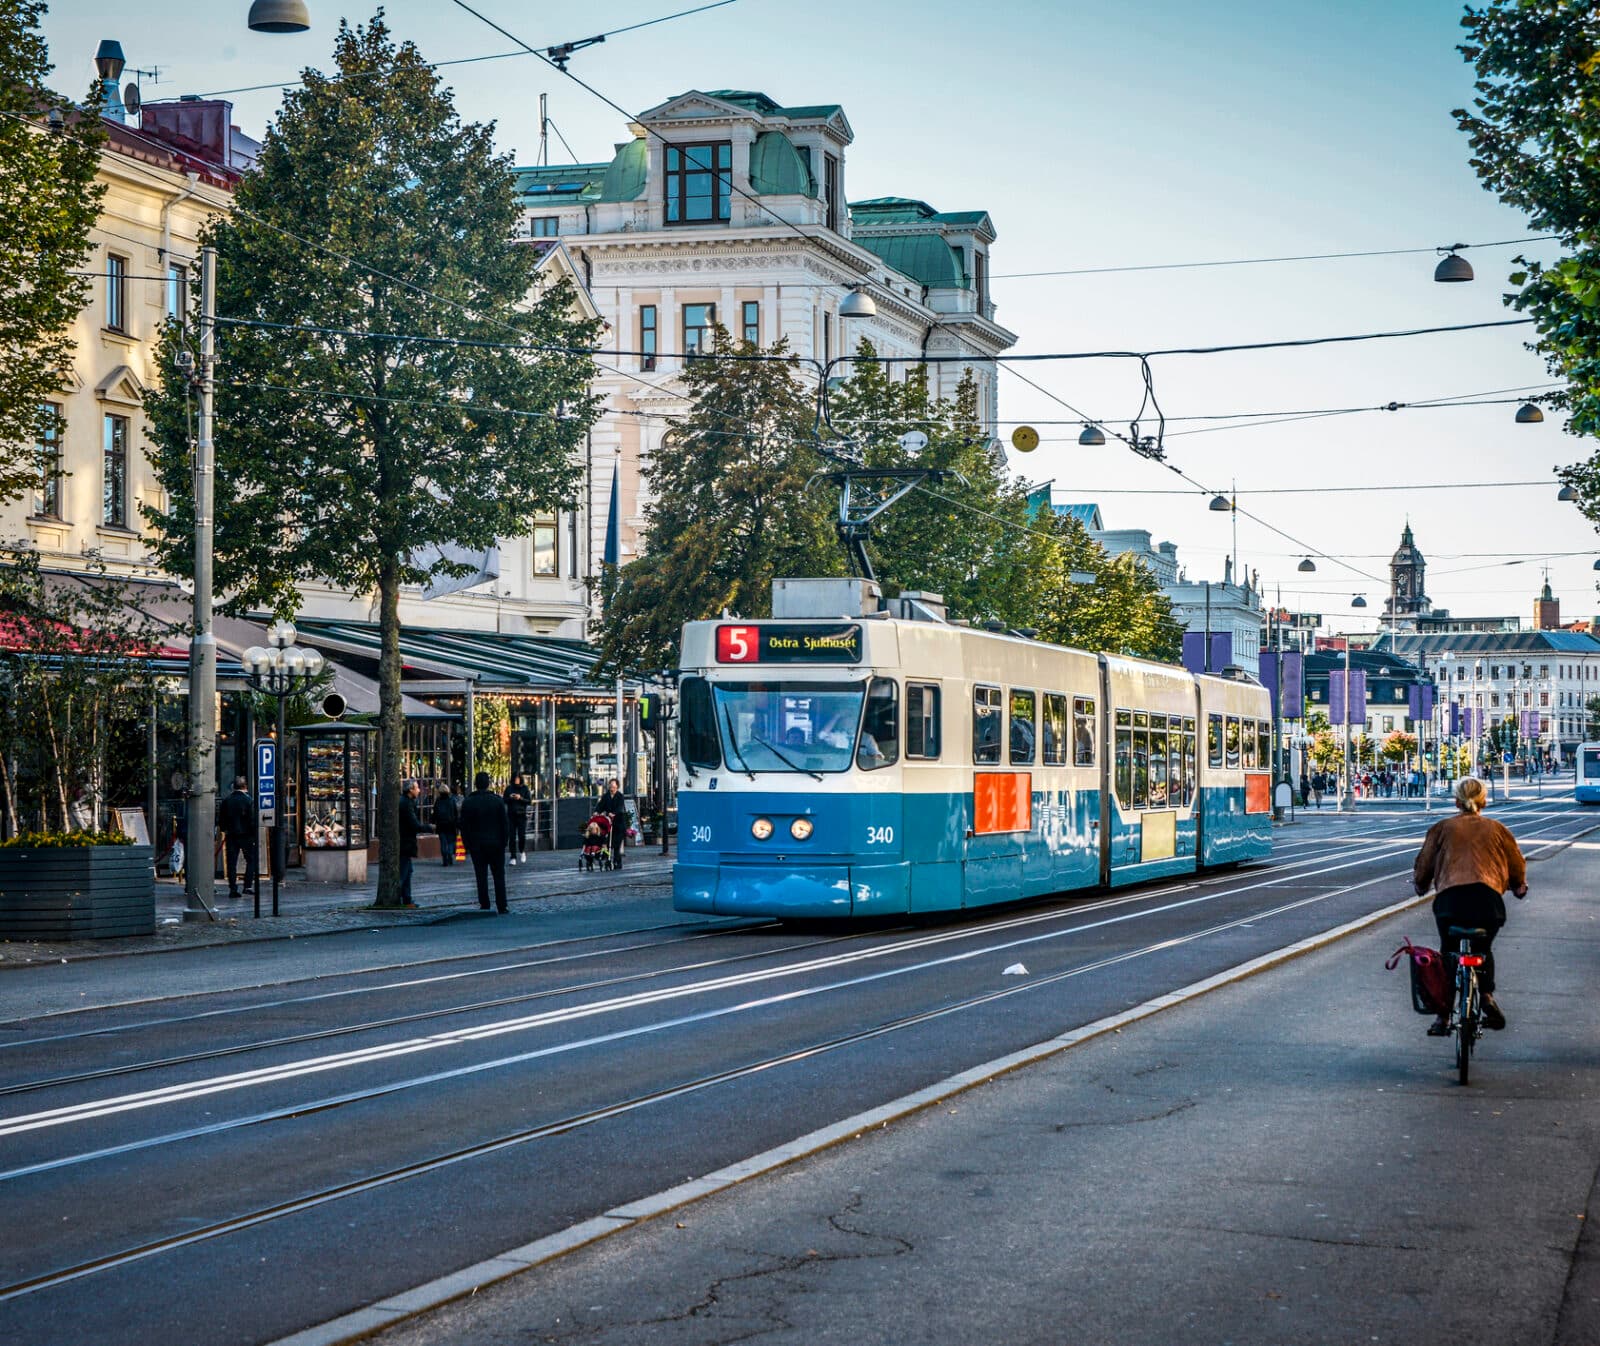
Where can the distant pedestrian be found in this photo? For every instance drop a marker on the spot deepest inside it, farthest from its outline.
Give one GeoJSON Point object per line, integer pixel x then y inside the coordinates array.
{"type": "Point", "coordinates": [411, 825]}
{"type": "Point", "coordinates": [1318, 784]}
{"type": "Point", "coordinates": [447, 823]}
{"type": "Point", "coordinates": [1305, 788]}
{"type": "Point", "coordinates": [485, 831]}
{"type": "Point", "coordinates": [615, 807]}
{"type": "Point", "coordinates": [518, 799]}
{"type": "Point", "coordinates": [239, 835]}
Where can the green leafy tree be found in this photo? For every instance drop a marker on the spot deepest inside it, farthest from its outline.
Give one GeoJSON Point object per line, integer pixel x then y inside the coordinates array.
{"type": "Point", "coordinates": [1121, 611]}
{"type": "Point", "coordinates": [1591, 711]}
{"type": "Point", "coordinates": [1398, 746]}
{"type": "Point", "coordinates": [730, 508]}
{"type": "Point", "coordinates": [1327, 753]}
{"type": "Point", "coordinates": [1533, 127]}
{"type": "Point", "coordinates": [49, 200]}
{"type": "Point", "coordinates": [967, 537]}
{"type": "Point", "coordinates": [75, 692]}
{"type": "Point", "coordinates": [350, 459]}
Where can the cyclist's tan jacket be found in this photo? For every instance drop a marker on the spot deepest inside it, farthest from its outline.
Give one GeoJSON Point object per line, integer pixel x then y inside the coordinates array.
{"type": "Point", "coordinates": [1469, 848]}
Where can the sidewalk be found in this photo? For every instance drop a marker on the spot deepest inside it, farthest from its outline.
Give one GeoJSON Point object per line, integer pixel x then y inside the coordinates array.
{"type": "Point", "coordinates": [551, 878]}
{"type": "Point", "coordinates": [1287, 1159]}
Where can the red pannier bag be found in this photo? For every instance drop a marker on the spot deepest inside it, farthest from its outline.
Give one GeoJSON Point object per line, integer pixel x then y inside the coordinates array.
{"type": "Point", "coordinates": [1430, 982]}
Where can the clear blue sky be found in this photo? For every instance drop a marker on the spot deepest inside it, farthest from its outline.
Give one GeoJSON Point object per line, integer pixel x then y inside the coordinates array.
{"type": "Point", "coordinates": [1102, 134]}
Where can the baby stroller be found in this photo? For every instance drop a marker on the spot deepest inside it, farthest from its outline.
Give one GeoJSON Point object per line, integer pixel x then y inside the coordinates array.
{"type": "Point", "coordinates": [596, 843]}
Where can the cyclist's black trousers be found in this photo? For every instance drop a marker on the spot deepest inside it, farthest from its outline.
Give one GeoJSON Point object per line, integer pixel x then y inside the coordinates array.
{"type": "Point", "coordinates": [1471, 906]}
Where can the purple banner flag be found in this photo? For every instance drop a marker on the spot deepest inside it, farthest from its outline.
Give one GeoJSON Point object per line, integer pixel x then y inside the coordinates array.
{"type": "Point", "coordinates": [1292, 680]}
{"type": "Point", "coordinates": [1358, 697]}
{"type": "Point", "coordinates": [1336, 696]}
{"type": "Point", "coordinates": [1420, 698]}
{"type": "Point", "coordinates": [1269, 677]}
{"type": "Point", "coordinates": [1194, 651]}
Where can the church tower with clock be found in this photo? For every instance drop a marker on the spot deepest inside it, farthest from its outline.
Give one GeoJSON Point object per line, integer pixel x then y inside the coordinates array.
{"type": "Point", "coordinates": [1408, 599]}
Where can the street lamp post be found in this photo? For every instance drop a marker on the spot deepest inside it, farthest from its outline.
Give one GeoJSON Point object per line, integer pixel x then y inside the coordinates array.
{"type": "Point", "coordinates": [280, 672]}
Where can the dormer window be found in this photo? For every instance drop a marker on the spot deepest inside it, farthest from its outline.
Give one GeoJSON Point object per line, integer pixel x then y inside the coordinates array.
{"type": "Point", "coordinates": [830, 190]}
{"type": "Point", "coordinates": [699, 178]}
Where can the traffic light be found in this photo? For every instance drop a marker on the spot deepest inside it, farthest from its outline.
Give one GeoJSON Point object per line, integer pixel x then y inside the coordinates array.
{"type": "Point", "coordinates": [649, 710]}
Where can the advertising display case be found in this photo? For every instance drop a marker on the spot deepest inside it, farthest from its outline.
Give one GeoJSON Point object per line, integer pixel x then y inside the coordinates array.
{"type": "Point", "coordinates": [335, 801]}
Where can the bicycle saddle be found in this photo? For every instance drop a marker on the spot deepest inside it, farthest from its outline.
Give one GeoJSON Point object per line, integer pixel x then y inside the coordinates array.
{"type": "Point", "coordinates": [1461, 932]}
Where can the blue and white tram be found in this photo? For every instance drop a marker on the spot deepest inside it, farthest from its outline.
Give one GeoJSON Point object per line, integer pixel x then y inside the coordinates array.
{"type": "Point", "coordinates": [880, 766]}
{"type": "Point", "coordinates": [1586, 780]}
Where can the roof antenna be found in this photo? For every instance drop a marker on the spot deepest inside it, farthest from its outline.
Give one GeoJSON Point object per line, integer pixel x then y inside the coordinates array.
{"type": "Point", "coordinates": [544, 132]}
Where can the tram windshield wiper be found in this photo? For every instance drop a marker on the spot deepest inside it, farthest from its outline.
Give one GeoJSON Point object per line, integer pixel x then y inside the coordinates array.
{"type": "Point", "coordinates": [733, 743]}
{"type": "Point", "coordinates": [784, 757]}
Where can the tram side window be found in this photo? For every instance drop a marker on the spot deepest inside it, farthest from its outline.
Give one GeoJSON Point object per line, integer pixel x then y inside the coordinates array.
{"type": "Point", "coordinates": [1247, 748]}
{"type": "Point", "coordinates": [880, 726]}
{"type": "Point", "coordinates": [1159, 775]}
{"type": "Point", "coordinates": [1082, 731]}
{"type": "Point", "coordinates": [1186, 798]}
{"type": "Point", "coordinates": [1022, 728]}
{"type": "Point", "coordinates": [1264, 745]}
{"type": "Point", "coordinates": [699, 744]}
{"type": "Point", "coordinates": [985, 726]}
{"type": "Point", "coordinates": [1231, 740]}
{"type": "Point", "coordinates": [1053, 730]}
{"type": "Point", "coordinates": [1141, 759]}
{"type": "Point", "coordinates": [922, 720]}
{"type": "Point", "coordinates": [1213, 740]}
{"type": "Point", "coordinates": [1124, 746]}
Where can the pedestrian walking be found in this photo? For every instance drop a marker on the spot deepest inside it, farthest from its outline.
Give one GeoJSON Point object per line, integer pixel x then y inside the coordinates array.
{"type": "Point", "coordinates": [615, 807]}
{"type": "Point", "coordinates": [485, 830]}
{"type": "Point", "coordinates": [411, 825]}
{"type": "Point", "coordinates": [518, 798]}
{"type": "Point", "coordinates": [447, 823]}
{"type": "Point", "coordinates": [1305, 788]}
{"type": "Point", "coordinates": [239, 835]}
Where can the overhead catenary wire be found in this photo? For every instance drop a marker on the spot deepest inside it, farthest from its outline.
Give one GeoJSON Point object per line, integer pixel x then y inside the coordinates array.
{"type": "Point", "coordinates": [470, 60]}
{"type": "Point", "coordinates": [1263, 261]}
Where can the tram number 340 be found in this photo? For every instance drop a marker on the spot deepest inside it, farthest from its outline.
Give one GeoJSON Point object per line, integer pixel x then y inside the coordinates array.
{"type": "Point", "coordinates": [700, 834]}
{"type": "Point", "coordinates": [880, 836]}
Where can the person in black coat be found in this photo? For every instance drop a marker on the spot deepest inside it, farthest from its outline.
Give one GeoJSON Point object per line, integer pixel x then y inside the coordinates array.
{"type": "Point", "coordinates": [239, 835]}
{"type": "Point", "coordinates": [447, 822]}
{"type": "Point", "coordinates": [411, 825]}
{"type": "Point", "coordinates": [484, 832]}
{"type": "Point", "coordinates": [518, 800]}
{"type": "Point", "coordinates": [615, 807]}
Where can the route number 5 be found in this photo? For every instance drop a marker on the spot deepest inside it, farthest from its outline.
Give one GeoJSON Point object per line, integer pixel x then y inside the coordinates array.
{"type": "Point", "coordinates": [737, 644]}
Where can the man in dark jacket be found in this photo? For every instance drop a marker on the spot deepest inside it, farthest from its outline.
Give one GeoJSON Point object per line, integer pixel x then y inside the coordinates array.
{"type": "Point", "coordinates": [410, 825]}
{"type": "Point", "coordinates": [518, 800]}
{"type": "Point", "coordinates": [484, 833]}
{"type": "Point", "coordinates": [239, 834]}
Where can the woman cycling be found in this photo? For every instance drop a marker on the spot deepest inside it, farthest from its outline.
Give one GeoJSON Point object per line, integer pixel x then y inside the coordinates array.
{"type": "Point", "coordinates": [1470, 861]}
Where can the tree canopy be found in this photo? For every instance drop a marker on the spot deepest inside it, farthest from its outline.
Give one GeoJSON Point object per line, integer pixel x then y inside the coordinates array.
{"type": "Point", "coordinates": [386, 385]}
{"type": "Point", "coordinates": [1533, 127]}
{"type": "Point", "coordinates": [49, 200]}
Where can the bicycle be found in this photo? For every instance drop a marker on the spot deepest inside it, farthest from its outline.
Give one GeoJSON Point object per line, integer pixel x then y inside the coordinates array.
{"type": "Point", "coordinates": [1466, 1017]}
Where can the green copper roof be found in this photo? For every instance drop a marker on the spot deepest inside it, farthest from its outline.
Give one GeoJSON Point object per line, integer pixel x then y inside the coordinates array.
{"type": "Point", "coordinates": [766, 107]}
{"type": "Point", "coordinates": [926, 258]}
{"type": "Point", "coordinates": [891, 210]}
{"type": "Point", "coordinates": [777, 169]}
{"type": "Point", "coordinates": [566, 182]}
{"type": "Point", "coordinates": [625, 178]}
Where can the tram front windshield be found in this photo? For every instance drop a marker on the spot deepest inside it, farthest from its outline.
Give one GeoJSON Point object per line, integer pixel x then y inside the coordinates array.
{"type": "Point", "coordinates": [1591, 764]}
{"type": "Point", "coordinates": [788, 726]}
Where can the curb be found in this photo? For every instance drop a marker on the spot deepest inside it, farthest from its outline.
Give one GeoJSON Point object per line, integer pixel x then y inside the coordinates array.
{"type": "Point", "coordinates": [469, 1280]}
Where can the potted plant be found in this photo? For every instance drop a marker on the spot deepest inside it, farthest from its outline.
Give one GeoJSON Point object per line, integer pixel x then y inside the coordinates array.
{"type": "Point", "coordinates": [75, 884]}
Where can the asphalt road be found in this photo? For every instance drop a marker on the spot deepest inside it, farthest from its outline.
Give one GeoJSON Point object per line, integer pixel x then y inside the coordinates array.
{"type": "Point", "coordinates": [332, 1122]}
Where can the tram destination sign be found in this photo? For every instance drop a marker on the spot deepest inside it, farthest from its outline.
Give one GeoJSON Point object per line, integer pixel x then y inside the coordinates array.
{"type": "Point", "coordinates": [781, 643]}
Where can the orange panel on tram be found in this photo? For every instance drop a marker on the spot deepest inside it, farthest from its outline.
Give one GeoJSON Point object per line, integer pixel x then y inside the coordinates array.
{"type": "Point", "coordinates": [1002, 801]}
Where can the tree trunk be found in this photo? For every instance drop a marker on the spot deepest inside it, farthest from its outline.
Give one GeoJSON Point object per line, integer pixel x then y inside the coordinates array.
{"type": "Point", "coordinates": [391, 735]}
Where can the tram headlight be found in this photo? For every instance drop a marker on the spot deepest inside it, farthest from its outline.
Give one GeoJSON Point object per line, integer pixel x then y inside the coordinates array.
{"type": "Point", "coordinates": [761, 829]}
{"type": "Point", "coordinates": [800, 829]}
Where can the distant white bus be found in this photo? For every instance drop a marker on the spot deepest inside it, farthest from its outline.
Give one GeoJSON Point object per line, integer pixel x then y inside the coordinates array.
{"type": "Point", "coordinates": [1587, 777]}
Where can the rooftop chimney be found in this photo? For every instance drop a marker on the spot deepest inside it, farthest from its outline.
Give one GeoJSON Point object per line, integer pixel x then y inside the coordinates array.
{"type": "Point", "coordinates": [108, 63]}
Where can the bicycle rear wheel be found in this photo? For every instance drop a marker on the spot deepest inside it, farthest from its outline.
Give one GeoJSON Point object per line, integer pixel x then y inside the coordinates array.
{"type": "Point", "coordinates": [1466, 1025]}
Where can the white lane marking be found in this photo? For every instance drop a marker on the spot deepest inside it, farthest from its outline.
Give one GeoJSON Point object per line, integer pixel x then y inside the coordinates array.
{"type": "Point", "coordinates": [306, 1066]}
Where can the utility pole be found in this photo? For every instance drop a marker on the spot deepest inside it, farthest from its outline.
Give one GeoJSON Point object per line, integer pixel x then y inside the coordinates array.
{"type": "Point", "coordinates": [203, 646]}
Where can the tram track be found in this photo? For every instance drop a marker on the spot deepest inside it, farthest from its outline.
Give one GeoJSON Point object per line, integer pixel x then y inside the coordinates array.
{"type": "Point", "coordinates": [571, 1122]}
{"type": "Point", "coordinates": [1036, 912]}
{"type": "Point", "coordinates": [333, 1192]}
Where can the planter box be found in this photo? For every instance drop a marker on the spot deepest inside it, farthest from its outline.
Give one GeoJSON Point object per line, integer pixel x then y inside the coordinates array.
{"type": "Point", "coordinates": [77, 892]}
